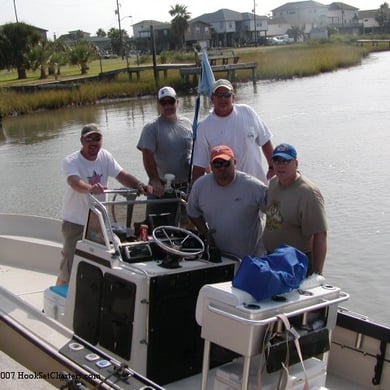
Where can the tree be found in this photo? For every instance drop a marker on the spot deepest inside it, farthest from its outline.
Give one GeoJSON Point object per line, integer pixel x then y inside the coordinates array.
{"type": "Point", "coordinates": [180, 22]}
{"type": "Point", "coordinates": [81, 54]}
{"type": "Point", "coordinates": [101, 33]}
{"type": "Point", "coordinates": [59, 55]}
{"type": "Point", "coordinates": [296, 32]}
{"type": "Point", "coordinates": [39, 57]}
{"type": "Point", "coordinates": [118, 41]}
{"type": "Point", "coordinates": [383, 16]}
{"type": "Point", "coordinates": [16, 42]}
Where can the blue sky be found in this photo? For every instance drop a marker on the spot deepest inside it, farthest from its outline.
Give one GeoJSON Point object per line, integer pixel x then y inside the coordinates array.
{"type": "Point", "coordinates": [61, 16]}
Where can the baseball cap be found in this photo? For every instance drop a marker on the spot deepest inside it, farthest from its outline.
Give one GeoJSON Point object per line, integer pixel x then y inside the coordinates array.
{"type": "Point", "coordinates": [221, 151]}
{"type": "Point", "coordinates": [91, 128]}
{"type": "Point", "coordinates": [285, 151]}
{"type": "Point", "coordinates": [223, 83]}
{"type": "Point", "coordinates": [166, 92]}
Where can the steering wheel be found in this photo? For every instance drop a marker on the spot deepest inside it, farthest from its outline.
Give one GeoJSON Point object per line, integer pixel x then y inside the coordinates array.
{"type": "Point", "coordinates": [178, 241]}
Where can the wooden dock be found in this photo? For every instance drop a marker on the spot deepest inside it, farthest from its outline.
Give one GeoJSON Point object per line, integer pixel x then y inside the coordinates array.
{"type": "Point", "coordinates": [374, 42]}
{"type": "Point", "coordinates": [186, 70]}
{"type": "Point", "coordinates": [137, 70]}
{"type": "Point", "coordinates": [229, 69]}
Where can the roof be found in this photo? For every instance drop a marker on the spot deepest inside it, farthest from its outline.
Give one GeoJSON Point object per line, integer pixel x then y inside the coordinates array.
{"type": "Point", "coordinates": [370, 13]}
{"type": "Point", "coordinates": [299, 4]}
{"type": "Point", "coordinates": [341, 6]}
{"type": "Point", "coordinates": [218, 16]}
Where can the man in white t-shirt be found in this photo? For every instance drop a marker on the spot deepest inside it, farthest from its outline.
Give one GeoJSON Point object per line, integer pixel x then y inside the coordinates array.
{"type": "Point", "coordinates": [237, 126]}
{"type": "Point", "coordinates": [227, 205]}
{"type": "Point", "coordinates": [87, 172]}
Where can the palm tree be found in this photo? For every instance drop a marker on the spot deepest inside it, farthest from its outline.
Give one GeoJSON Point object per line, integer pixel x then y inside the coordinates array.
{"type": "Point", "coordinates": [296, 32]}
{"type": "Point", "coordinates": [81, 54]}
{"type": "Point", "coordinates": [39, 58]}
{"type": "Point", "coordinates": [16, 41]}
{"type": "Point", "coordinates": [180, 22]}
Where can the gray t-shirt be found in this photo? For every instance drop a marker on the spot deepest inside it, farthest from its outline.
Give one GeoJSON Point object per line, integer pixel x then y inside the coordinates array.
{"type": "Point", "coordinates": [234, 211]}
{"type": "Point", "coordinates": [171, 143]}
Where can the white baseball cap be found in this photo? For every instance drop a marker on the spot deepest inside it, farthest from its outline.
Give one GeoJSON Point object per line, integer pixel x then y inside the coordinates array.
{"type": "Point", "coordinates": [166, 92]}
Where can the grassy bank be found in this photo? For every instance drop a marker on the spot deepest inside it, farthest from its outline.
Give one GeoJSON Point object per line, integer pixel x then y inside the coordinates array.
{"type": "Point", "coordinates": [272, 63]}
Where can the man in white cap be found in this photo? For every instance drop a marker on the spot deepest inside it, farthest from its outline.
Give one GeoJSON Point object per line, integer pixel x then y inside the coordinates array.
{"type": "Point", "coordinates": [166, 145]}
{"type": "Point", "coordinates": [237, 126]}
{"type": "Point", "coordinates": [87, 172]}
{"type": "Point", "coordinates": [227, 206]}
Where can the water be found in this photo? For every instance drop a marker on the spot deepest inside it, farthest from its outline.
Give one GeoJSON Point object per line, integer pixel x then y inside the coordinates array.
{"type": "Point", "coordinates": [337, 121]}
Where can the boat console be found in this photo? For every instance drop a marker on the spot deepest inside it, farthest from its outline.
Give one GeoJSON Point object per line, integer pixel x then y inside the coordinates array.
{"type": "Point", "coordinates": [134, 285]}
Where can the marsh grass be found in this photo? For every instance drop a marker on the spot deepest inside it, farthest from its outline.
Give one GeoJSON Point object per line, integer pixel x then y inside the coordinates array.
{"type": "Point", "coordinates": [272, 63]}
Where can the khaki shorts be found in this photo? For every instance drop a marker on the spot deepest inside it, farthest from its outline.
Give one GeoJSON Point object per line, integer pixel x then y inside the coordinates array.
{"type": "Point", "coordinates": [71, 232]}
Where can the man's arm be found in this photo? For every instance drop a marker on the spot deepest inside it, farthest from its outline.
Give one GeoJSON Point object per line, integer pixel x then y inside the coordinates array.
{"type": "Point", "coordinates": [319, 251]}
{"type": "Point", "coordinates": [200, 224]}
{"type": "Point", "coordinates": [128, 180]}
{"type": "Point", "coordinates": [80, 185]}
{"type": "Point", "coordinates": [267, 149]}
{"type": "Point", "coordinates": [151, 170]}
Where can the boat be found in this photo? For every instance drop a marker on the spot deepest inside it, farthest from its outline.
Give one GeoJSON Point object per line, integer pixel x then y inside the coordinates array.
{"type": "Point", "coordinates": [148, 306]}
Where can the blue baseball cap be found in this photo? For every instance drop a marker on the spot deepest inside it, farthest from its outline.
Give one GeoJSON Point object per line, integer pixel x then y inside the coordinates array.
{"type": "Point", "coordinates": [285, 151]}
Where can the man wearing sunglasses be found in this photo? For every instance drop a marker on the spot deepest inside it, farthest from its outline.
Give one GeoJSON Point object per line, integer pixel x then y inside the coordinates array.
{"type": "Point", "coordinates": [227, 204]}
{"type": "Point", "coordinates": [295, 210]}
{"type": "Point", "coordinates": [239, 127]}
{"type": "Point", "coordinates": [166, 145]}
{"type": "Point", "coordinates": [87, 172]}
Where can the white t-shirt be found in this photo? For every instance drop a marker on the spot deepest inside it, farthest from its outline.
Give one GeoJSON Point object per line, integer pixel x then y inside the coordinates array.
{"type": "Point", "coordinates": [242, 130]}
{"type": "Point", "coordinates": [233, 211]}
{"type": "Point", "coordinates": [75, 206]}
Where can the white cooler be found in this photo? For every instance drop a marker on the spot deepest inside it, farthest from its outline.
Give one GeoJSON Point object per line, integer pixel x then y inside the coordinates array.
{"type": "Point", "coordinates": [54, 298]}
{"type": "Point", "coordinates": [229, 376]}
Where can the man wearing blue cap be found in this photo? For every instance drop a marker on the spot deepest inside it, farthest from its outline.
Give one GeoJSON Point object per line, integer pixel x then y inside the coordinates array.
{"type": "Point", "coordinates": [295, 210]}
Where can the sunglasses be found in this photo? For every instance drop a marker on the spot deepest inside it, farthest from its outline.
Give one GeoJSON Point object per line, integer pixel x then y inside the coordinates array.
{"type": "Point", "coordinates": [166, 102]}
{"type": "Point", "coordinates": [281, 161]}
{"type": "Point", "coordinates": [221, 163]}
{"type": "Point", "coordinates": [90, 138]}
{"type": "Point", "coordinates": [226, 95]}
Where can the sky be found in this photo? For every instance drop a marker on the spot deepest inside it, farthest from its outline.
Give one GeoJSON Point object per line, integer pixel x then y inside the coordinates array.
{"type": "Point", "coordinates": [61, 16]}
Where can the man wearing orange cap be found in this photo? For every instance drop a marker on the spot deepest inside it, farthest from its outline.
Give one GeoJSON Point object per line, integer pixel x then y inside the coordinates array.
{"type": "Point", "coordinates": [228, 205]}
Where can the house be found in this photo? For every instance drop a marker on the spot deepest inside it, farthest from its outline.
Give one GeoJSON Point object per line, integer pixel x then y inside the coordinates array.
{"type": "Point", "coordinates": [303, 13]}
{"type": "Point", "coordinates": [163, 36]}
{"type": "Point", "coordinates": [368, 21]}
{"type": "Point", "coordinates": [312, 15]}
{"type": "Point", "coordinates": [230, 28]}
{"type": "Point", "coordinates": [198, 33]}
{"type": "Point", "coordinates": [344, 18]}
{"type": "Point", "coordinates": [277, 26]}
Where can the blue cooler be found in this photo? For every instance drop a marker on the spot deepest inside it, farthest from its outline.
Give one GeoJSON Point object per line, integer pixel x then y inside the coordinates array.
{"type": "Point", "coordinates": [54, 299]}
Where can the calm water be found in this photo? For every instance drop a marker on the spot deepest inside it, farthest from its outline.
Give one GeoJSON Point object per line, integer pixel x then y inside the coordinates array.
{"type": "Point", "coordinates": [339, 123]}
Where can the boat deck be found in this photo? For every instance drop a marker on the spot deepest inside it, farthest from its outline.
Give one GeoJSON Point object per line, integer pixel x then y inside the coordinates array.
{"type": "Point", "coordinates": [26, 284]}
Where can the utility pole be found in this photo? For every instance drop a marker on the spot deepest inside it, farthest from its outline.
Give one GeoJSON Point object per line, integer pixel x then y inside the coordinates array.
{"type": "Point", "coordinates": [254, 20]}
{"type": "Point", "coordinates": [120, 29]}
{"type": "Point", "coordinates": [16, 12]}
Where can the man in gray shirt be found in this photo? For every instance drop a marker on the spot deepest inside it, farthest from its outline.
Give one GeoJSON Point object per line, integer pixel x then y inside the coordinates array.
{"type": "Point", "coordinates": [166, 145]}
{"type": "Point", "coordinates": [229, 204]}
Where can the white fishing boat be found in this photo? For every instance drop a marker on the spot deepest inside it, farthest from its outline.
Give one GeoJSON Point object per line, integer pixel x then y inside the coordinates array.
{"type": "Point", "coordinates": [159, 311]}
